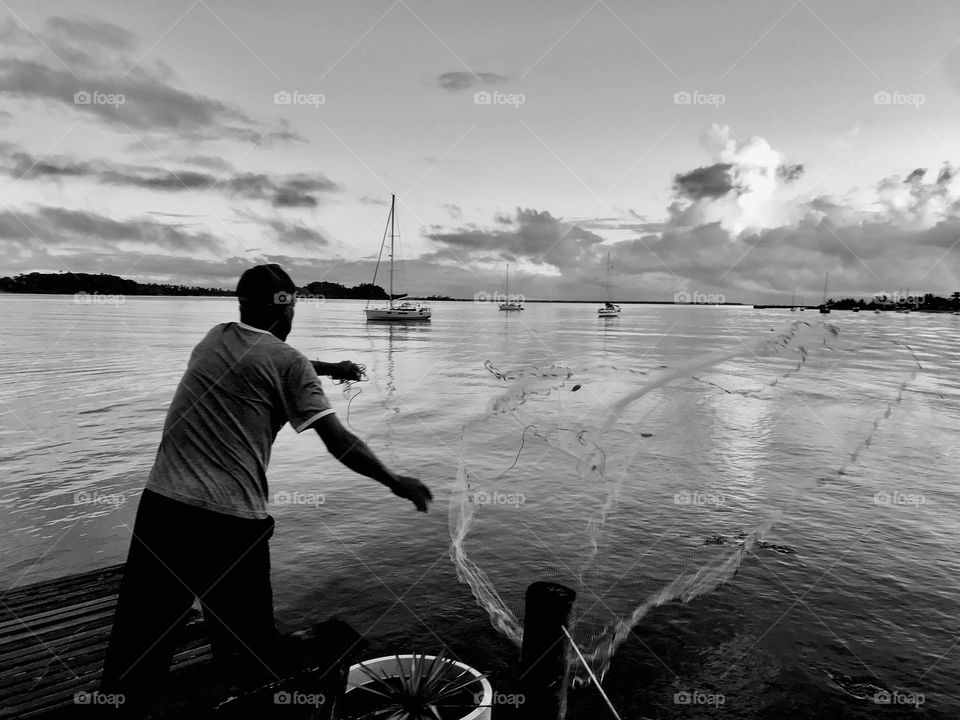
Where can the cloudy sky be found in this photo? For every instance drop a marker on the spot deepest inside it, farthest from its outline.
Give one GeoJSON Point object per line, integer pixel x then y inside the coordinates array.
{"type": "Point", "coordinates": [742, 148]}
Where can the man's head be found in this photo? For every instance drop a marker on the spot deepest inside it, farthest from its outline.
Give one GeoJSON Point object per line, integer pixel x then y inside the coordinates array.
{"type": "Point", "coordinates": [267, 296]}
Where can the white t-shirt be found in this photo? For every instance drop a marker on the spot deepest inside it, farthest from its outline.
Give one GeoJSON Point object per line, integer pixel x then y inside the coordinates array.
{"type": "Point", "coordinates": [241, 385]}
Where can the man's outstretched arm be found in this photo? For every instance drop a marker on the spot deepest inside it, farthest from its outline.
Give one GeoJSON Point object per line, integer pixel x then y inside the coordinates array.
{"type": "Point", "coordinates": [343, 370]}
{"type": "Point", "coordinates": [354, 453]}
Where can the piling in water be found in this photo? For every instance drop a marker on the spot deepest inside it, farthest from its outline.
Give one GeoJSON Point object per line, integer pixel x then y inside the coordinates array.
{"type": "Point", "coordinates": [543, 655]}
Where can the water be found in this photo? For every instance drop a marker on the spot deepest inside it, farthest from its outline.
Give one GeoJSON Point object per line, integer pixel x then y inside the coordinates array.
{"type": "Point", "coordinates": [870, 591]}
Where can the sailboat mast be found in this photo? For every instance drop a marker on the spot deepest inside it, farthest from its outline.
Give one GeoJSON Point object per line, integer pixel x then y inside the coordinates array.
{"type": "Point", "coordinates": [393, 202]}
{"type": "Point", "coordinates": [825, 281]}
{"type": "Point", "coordinates": [508, 282]}
{"type": "Point", "coordinates": [608, 278]}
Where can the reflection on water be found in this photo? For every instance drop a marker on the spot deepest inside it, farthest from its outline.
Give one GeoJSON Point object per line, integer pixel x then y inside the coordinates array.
{"type": "Point", "coordinates": [84, 390]}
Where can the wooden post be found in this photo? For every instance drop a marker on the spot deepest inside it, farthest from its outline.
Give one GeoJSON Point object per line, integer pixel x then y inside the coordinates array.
{"type": "Point", "coordinates": [543, 656]}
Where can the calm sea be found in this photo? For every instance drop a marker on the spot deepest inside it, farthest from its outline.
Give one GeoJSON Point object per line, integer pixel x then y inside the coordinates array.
{"type": "Point", "coordinates": [869, 590]}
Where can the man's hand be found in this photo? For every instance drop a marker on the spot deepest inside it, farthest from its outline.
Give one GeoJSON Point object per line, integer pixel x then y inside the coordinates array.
{"type": "Point", "coordinates": [343, 370]}
{"type": "Point", "coordinates": [346, 370]}
{"type": "Point", "coordinates": [414, 491]}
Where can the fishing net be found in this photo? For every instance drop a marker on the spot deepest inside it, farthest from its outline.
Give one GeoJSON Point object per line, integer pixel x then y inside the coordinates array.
{"type": "Point", "coordinates": [640, 485]}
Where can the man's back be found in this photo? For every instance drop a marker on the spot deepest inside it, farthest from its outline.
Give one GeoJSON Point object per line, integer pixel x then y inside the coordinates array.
{"type": "Point", "coordinates": [241, 385]}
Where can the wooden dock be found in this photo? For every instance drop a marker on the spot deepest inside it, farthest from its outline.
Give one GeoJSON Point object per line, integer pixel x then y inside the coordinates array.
{"type": "Point", "coordinates": [53, 639]}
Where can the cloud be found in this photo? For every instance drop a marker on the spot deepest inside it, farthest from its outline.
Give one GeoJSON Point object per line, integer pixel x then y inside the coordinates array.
{"type": "Point", "coordinates": [712, 181]}
{"type": "Point", "coordinates": [45, 227]}
{"type": "Point", "coordinates": [92, 30]}
{"type": "Point", "coordinates": [296, 234]}
{"type": "Point", "coordinates": [295, 190]}
{"type": "Point", "coordinates": [457, 81]}
{"type": "Point", "coordinates": [531, 235]}
{"type": "Point", "coordinates": [87, 55]}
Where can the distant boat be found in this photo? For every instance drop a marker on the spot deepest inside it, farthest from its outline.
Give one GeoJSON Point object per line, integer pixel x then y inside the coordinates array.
{"type": "Point", "coordinates": [404, 311]}
{"type": "Point", "coordinates": [824, 310]}
{"type": "Point", "coordinates": [793, 306]}
{"type": "Point", "coordinates": [856, 308]}
{"type": "Point", "coordinates": [608, 309]}
{"type": "Point", "coordinates": [510, 304]}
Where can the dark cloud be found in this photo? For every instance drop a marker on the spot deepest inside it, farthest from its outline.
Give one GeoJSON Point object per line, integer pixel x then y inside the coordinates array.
{"type": "Point", "coordinates": [297, 234]}
{"type": "Point", "coordinates": [529, 234]}
{"type": "Point", "coordinates": [92, 30]}
{"type": "Point", "coordinates": [916, 175]}
{"type": "Point", "coordinates": [54, 226]}
{"type": "Point", "coordinates": [297, 190]}
{"type": "Point", "coordinates": [788, 173]}
{"type": "Point", "coordinates": [457, 81]}
{"type": "Point", "coordinates": [712, 181]}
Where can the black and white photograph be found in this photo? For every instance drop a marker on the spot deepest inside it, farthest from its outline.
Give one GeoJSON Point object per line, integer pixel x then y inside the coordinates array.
{"type": "Point", "coordinates": [424, 360]}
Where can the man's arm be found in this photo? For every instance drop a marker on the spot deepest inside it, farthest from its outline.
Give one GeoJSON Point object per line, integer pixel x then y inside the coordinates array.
{"type": "Point", "coordinates": [344, 370]}
{"type": "Point", "coordinates": [354, 453]}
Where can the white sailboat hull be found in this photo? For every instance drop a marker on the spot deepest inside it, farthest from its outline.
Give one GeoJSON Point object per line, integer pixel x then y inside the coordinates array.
{"type": "Point", "coordinates": [416, 313]}
{"type": "Point", "coordinates": [603, 312]}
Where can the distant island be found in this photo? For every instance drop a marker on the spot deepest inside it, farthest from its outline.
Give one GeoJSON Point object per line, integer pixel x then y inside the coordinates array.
{"type": "Point", "coordinates": [67, 283]}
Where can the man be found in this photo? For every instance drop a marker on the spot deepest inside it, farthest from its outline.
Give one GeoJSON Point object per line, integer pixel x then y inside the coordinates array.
{"type": "Point", "coordinates": [202, 527]}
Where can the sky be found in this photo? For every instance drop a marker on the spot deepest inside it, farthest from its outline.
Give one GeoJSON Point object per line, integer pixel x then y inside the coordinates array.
{"type": "Point", "coordinates": [735, 149]}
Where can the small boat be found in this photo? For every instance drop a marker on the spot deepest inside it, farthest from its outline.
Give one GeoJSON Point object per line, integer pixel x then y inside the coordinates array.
{"type": "Point", "coordinates": [609, 309]}
{"type": "Point", "coordinates": [405, 311]}
{"type": "Point", "coordinates": [856, 308]}
{"type": "Point", "coordinates": [825, 309]}
{"type": "Point", "coordinates": [876, 311]}
{"type": "Point", "coordinates": [510, 303]}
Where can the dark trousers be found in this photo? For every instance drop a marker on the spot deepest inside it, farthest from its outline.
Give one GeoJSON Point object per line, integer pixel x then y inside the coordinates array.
{"type": "Point", "coordinates": [180, 552]}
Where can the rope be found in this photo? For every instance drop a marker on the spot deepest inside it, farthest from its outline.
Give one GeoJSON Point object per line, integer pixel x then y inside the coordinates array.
{"type": "Point", "coordinates": [590, 673]}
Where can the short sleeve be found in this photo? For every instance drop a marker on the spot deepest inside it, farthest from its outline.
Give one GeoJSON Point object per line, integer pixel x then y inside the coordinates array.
{"type": "Point", "coordinates": [303, 396]}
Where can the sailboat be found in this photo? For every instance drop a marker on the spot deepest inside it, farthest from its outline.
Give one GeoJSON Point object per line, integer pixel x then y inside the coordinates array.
{"type": "Point", "coordinates": [824, 310]}
{"type": "Point", "coordinates": [510, 304]}
{"type": "Point", "coordinates": [609, 309]}
{"type": "Point", "coordinates": [394, 312]}
{"type": "Point", "coordinates": [793, 307]}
